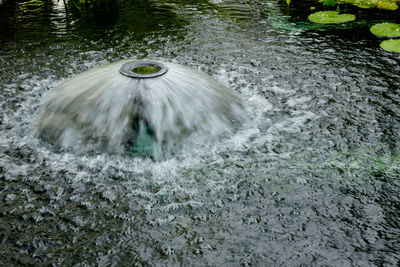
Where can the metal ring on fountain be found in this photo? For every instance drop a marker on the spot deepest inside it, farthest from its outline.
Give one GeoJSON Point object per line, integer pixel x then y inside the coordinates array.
{"type": "Point", "coordinates": [143, 69]}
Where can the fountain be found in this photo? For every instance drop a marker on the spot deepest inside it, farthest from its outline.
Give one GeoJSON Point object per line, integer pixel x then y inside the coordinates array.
{"type": "Point", "coordinates": [144, 107]}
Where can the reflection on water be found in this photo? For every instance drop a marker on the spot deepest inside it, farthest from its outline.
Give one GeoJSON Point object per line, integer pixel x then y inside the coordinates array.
{"type": "Point", "coordinates": [32, 20]}
{"type": "Point", "coordinates": [311, 179]}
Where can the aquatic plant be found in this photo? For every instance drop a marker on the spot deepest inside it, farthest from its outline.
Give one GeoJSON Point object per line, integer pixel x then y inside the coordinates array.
{"type": "Point", "coordinates": [387, 5]}
{"type": "Point", "coordinates": [381, 4]}
{"type": "Point", "coordinates": [328, 17]}
{"type": "Point", "coordinates": [381, 29]}
{"type": "Point", "coordinates": [392, 45]}
{"type": "Point", "coordinates": [329, 2]}
{"type": "Point", "coordinates": [386, 29]}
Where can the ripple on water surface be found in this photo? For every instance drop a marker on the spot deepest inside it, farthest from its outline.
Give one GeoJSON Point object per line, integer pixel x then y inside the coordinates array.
{"type": "Point", "coordinates": [312, 178]}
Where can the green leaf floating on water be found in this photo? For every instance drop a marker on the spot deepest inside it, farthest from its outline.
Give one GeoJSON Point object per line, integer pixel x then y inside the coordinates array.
{"type": "Point", "coordinates": [330, 17]}
{"type": "Point", "coordinates": [387, 5]}
{"type": "Point", "coordinates": [386, 29]}
{"type": "Point", "coordinates": [392, 45]}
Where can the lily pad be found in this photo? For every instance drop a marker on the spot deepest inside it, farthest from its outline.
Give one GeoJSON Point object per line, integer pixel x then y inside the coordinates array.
{"type": "Point", "coordinates": [386, 29]}
{"type": "Point", "coordinates": [330, 17]}
{"type": "Point", "coordinates": [387, 6]}
{"type": "Point", "coordinates": [392, 45]}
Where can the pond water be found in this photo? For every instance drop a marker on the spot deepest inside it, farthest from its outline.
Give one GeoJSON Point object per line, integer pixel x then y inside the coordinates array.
{"type": "Point", "coordinates": [312, 178]}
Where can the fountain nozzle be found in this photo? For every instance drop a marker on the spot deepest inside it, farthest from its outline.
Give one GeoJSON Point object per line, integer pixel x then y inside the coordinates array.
{"type": "Point", "coordinates": [143, 69]}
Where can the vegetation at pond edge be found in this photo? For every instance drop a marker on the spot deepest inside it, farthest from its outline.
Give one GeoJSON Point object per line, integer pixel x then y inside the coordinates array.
{"type": "Point", "coordinates": [381, 4]}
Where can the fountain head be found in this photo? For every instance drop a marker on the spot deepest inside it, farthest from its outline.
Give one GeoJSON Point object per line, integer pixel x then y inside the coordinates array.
{"type": "Point", "coordinates": [143, 69]}
{"type": "Point", "coordinates": [144, 107]}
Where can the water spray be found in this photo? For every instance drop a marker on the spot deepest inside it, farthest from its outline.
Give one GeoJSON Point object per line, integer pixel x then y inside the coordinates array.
{"type": "Point", "coordinates": [138, 106]}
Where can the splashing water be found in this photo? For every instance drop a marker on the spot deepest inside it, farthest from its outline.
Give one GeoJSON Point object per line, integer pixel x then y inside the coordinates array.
{"type": "Point", "coordinates": [310, 179]}
{"type": "Point", "coordinates": [103, 109]}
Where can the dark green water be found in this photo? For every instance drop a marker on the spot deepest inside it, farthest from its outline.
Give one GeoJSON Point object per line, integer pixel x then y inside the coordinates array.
{"type": "Point", "coordinates": [312, 179]}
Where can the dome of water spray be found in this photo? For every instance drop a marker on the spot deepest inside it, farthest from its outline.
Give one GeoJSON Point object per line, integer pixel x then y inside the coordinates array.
{"type": "Point", "coordinates": [108, 108]}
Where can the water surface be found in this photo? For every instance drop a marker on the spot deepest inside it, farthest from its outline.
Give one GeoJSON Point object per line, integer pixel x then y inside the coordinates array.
{"type": "Point", "coordinates": [312, 178]}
